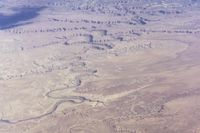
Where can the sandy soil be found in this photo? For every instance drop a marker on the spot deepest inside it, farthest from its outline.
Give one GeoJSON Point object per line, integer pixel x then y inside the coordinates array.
{"type": "Point", "coordinates": [100, 67]}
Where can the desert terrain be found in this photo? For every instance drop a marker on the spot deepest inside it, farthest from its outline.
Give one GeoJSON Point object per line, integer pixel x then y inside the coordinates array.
{"type": "Point", "coordinates": [99, 66]}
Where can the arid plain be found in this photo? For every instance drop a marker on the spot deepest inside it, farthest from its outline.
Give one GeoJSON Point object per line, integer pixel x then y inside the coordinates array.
{"type": "Point", "coordinates": [99, 66]}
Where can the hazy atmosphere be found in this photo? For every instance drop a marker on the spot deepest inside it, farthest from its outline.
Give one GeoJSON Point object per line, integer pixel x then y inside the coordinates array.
{"type": "Point", "coordinates": [99, 66]}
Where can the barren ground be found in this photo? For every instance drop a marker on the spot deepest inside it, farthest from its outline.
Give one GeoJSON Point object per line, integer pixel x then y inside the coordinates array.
{"type": "Point", "coordinates": [97, 66]}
